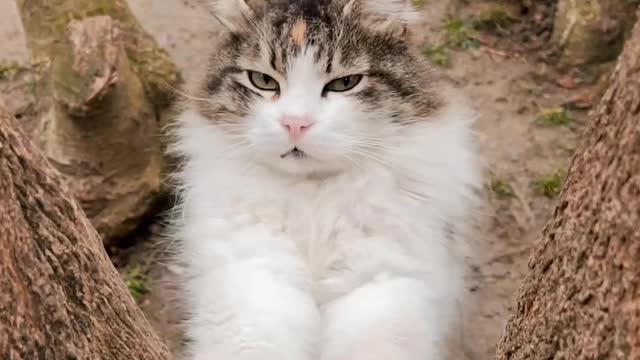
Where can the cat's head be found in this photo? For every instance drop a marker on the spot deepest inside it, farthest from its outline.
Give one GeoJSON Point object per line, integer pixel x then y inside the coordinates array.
{"type": "Point", "coordinates": [316, 85]}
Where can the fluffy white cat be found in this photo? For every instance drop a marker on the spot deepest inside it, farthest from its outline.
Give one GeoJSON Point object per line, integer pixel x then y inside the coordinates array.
{"type": "Point", "coordinates": [325, 185]}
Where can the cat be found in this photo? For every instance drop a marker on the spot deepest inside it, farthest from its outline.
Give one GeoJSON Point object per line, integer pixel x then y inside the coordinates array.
{"type": "Point", "coordinates": [325, 183]}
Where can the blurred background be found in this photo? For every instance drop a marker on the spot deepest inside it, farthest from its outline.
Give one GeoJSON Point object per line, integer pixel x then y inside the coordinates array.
{"type": "Point", "coordinates": [532, 68]}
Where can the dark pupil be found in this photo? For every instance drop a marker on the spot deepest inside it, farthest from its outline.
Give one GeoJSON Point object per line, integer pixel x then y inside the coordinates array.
{"type": "Point", "coordinates": [346, 81]}
{"type": "Point", "coordinates": [266, 79]}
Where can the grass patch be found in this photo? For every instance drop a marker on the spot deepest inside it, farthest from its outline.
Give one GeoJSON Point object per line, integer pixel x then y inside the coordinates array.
{"type": "Point", "coordinates": [456, 33]}
{"type": "Point", "coordinates": [554, 117]}
{"type": "Point", "coordinates": [9, 70]}
{"type": "Point", "coordinates": [32, 85]}
{"type": "Point", "coordinates": [494, 16]}
{"type": "Point", "coordinates": [502, 189]}
{"type": "Point", "coordinates": [438, 55]}
{"type": "Point", "coordinates": [136, 282]}
{"type": "Point", "coordinates": [459, 34]}
{"type": "Point", "coordinates": [549, 185]}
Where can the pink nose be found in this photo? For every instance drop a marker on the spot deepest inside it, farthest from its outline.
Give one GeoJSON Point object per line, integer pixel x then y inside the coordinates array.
{"type": "Point", "coordinates": [296, 126]}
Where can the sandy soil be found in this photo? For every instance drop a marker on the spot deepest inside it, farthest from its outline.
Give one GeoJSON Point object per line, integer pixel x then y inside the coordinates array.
{"type": "Point", "coordinates": [508, 90]}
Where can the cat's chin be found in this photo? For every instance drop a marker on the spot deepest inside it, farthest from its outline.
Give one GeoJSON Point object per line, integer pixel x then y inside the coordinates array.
{"type": "Point", "coordinates": [298, 163]}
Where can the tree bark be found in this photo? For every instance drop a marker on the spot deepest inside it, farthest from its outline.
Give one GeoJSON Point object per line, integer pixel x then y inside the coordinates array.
{"type": "Point", "coordinates": [581, 298]}
{"type": "Point", "coordinates": [104, 82]}
{"type": "Point", "coordinates": [592, 31]}
{"type": "Point", "coordinates": [60, 296]}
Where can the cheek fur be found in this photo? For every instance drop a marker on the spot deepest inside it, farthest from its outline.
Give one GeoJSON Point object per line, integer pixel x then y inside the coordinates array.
{"type": "Point", "coordinates": [364, 130]}
{"type": "Point", "coordinates": [264, 129]}
{"type": "Point", "coordinates": [342, 125]}
{"type": "Point", "coordinates": [334, 128]}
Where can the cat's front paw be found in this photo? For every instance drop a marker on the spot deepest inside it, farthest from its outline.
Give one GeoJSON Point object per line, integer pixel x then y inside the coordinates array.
{"type": "Point", "coordinates": [211, 353]}
{"type": "Point", "coordinates": [378, 351]}
{"type": "Point", "coordinates": [382, 351]}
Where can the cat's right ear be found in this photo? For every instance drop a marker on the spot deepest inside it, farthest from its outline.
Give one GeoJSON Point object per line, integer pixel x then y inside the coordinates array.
{"type": "Point", "coordinates": [232, 14]}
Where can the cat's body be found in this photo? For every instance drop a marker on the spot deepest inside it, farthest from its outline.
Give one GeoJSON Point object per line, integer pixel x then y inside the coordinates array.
{"type": "Point", "coordinates": [321, 221]}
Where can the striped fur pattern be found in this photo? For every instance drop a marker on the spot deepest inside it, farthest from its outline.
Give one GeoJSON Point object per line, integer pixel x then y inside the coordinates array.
{"type": "Point", "coordinates": [341, 42]}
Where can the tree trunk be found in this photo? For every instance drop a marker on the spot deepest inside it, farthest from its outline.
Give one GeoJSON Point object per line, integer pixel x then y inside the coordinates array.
{"type": "Point", "coordinates": [592, 31]}
{"type": "Point", "coordinates": [104, 82]}
{"type": "Point", "coordinates": [60, 296]}
{"type": "Point", "coordinates": [581, 298]}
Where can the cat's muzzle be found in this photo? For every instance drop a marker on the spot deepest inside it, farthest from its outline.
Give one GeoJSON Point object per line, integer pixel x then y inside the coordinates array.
{"type": "Point", "coordinates": [295, 153]}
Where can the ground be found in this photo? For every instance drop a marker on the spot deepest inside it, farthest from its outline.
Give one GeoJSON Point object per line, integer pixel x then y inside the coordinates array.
{"type": "Point", "coordinates": [527, 146]}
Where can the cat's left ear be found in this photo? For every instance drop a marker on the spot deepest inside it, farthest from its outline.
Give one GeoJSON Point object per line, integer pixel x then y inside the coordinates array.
{"type": "Point", "coordinates": [233, 14]}
{"type": "Point", "coordinates": [389, 16]}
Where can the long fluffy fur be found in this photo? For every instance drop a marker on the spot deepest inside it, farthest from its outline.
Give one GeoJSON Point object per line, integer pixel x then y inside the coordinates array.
{"type": "Point", "coordinates": [363, 259]}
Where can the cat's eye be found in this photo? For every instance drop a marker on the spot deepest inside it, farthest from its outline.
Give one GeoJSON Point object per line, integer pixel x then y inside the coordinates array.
{"type": "Point", "coordinates": [343, 84]}
{"type": "Point", "coordinates": [263, 81]}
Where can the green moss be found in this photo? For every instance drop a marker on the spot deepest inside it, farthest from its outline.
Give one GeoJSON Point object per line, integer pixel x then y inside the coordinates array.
{"type": "Point", "coordinates": [438, 55]}
{"type": "Point", "coordinates": [136, 282]}
{"type": "Point", "coordinates": [455, 34]}
{"type": "Point", "coordinates": [32, 85]}
{"type": "Point", "coordinates": [459, 34]}
{"type": "Point", "coordinates": [417, 3]}
{"type": "Point", "coordinates": [549, 185]}
{"type": "Point", "coordinates": [9, 70]}
{"type": "Point", "coordinates": [494, 16]}
{"type": "Point", "coordinates": [502, 189]}
{"type": "Point", "coordinates": [554, 117]}
{"type": "Point", "coordinates": [103, 7]}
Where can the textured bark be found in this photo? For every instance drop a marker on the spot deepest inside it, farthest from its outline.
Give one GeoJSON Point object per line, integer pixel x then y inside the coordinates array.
{"type": "Point", "coordinates": [581, 298]}
{"type": "Point", "coordinates": [60, 296]}
{"type": "Point", "coordinates": [45, 22]}
{"type": "Point", "coordinates": [104, 82]}
{"type": "Point", "coordinates": [592, 31]}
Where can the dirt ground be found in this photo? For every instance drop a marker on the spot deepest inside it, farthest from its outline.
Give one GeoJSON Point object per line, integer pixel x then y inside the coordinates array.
{"type": "Point", "coordinates": [509, 89]}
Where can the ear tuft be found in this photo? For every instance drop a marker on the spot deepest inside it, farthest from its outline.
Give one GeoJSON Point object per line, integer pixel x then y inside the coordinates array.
{"type": "Point", "coordinates": [392, 17]}
{"type": "Point", "coordinates": [399, 11]}
{"type": "Point", "coordinates": [230, 12]}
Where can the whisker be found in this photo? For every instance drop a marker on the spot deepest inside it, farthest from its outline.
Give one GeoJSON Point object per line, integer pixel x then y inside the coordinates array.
{"type": "Point", "coordinates": [374, 146]}
{"type": "Point", "coordinates": [372, 157]}
{"type": "Point", "coordinates": [378, 140]}
{"type": "Point", "coordinates": [237, 152]}
{"type": "Point", "coordinates": [354, 161]}
{"type": "Point", "coordinates": [227, 125]}
{"type": "Point", "coordinates": [231, 130]}
{"type": "Point", "coordinates": [414, 195]}
{"type": "Point", "coordinates": [358, 143]}
{"type": "Point", "coordinates": [179, 92]}
{"type": "Point", "coordinates": [237, 149]}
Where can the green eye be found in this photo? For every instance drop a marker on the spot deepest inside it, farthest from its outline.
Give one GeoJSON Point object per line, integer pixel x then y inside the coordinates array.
{"type": "Point", "coordinates": [344, 83]}
{"type": "Point", "coordinates": [263, 81]}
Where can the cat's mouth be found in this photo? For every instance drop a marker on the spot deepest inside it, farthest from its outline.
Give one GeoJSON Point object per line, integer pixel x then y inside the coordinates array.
{"type": "Point", "coordinates": [294, 153]}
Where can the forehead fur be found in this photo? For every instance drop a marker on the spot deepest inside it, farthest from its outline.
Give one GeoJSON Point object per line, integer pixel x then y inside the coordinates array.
{"type": "Point", "coordinates": [391, 11]}
{"type": "Point", "coordinates": [344, 30]}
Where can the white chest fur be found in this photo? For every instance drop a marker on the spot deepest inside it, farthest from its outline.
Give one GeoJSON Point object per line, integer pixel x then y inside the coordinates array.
{"type": "Point", "coordinates": [371, 245]}
{"type": "Point", "coordinates": [346, 229]}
